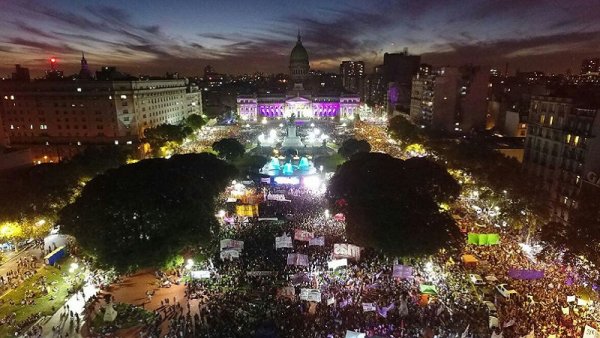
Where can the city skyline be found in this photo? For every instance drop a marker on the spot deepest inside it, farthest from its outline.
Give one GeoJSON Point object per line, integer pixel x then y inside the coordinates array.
{"type": "Point", "coordinates": [244, 37]}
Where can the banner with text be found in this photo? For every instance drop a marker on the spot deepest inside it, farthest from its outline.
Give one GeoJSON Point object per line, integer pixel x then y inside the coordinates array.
{"type": "Point", "coordinates": [283, 242]}
{"type": "Point", "coordinates": [297, 259]}
{"type": "Point", "coordinates": [318, 241]}
{"type": "Point", "coordinates": [311, 295]}
{"type": "Point", "coordinates": [367, 307]}
{"type": "Point", "coordinates": [230, 244]}
{"type": "Point", "coordinates": [346, 251]}
{"type": "Point", "coordinates": [336, 263]}
{"type": "Point", "coordinates": [303, 235]}
{"type": "Point", "coordinates": [229, 254]}
{"type": "Point", "coordinates": [402, 271]}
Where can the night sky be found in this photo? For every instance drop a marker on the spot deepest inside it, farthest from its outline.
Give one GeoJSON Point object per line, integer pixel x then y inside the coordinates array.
{"type": "Point", "coordinates": [244, 36]}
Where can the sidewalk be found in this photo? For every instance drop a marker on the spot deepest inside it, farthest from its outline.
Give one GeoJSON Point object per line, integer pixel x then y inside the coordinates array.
{"type": "Point", "coordinates": [76, 304]}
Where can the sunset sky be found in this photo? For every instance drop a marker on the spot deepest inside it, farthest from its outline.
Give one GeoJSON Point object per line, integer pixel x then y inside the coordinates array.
{"type": "Point", "coordinates": [153, 37]}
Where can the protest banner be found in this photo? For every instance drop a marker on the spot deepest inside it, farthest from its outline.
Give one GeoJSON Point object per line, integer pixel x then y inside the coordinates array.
{"type": "Point", "coordinates": [525, 274]}
{"type": "Point", "coordinates": [277, 197]}
{"type": "Point", "coordinates": [311, 295]}
{"type": "Point", "coordinates": [367, 307]}
{"type": "Point", "coordinates": [249, 210]}
{"type": "Point", "coordinates": [259, 273]}
{"type": "Point", "coordinates": [318, 241]}
{"type": "Point", "coordinates": [590, 332]}
{"type": "Point", "coordinates": [354, 334]}
{"type": "Point", "coordinates": [483, 239]}
{"type": "Point", "coordinates": [284, 241]}
{"type": "Point", "coordinates": [402, 271]}
{"type": "Point", "coordinates": [297, 259]}
{"type": "Point", "coordinates": [303, 235]}
{"type": "Point", "coordinates": [200, 274]}
{"type": "Point", "coordinates": [229, 254]}
{"type": "Point", "coordinates": [331, 301]}
{"type": "Point", "coordinates": [230, 244]}
{"type": "Point", "coordinates": [336, 263]}
{"type": "Point", "coordinates": [346, 251]}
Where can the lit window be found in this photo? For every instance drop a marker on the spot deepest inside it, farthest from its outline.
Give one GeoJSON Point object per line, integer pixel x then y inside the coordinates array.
{"type": "Point", "coordinates": [79, 90]}
{"type": "Point", "coordinates": [123, 97]}
{"type": "Point", "coordinates": [576, 141]}
{"type": "Point", "coordinates": [551, 120]}
{"type": "Point", "coordinates": [12, 126]}
{"type": "Point", "coordinates": [542, 118]}
{"type": "Point", "coordinates": [116, 142]}
{"type": "Point", "coordinates": [568, 138]}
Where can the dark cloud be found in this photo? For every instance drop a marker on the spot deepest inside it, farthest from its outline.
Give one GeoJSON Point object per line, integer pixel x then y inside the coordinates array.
{"type": "Point", "coordinates": [59, 48]}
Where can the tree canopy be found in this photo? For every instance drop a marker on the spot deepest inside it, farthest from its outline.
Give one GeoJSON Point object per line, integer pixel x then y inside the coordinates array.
{"type": "Point", "coordinates": [229, 148]}
{"type": "Point", "coordinates": [195, 121]}
{"type": "Point", "coordinates": [144, 214]}
{"type": "Point", "coordinates": [404, 130]}
{"type": "Point", "coordinates": [160, 135]}
{"type": "Point", "coordinates": [352, 146]}
{"type": "Point", "coordinates": [39, 192]}
{"type": "Point", "coordinates": [393, 204]}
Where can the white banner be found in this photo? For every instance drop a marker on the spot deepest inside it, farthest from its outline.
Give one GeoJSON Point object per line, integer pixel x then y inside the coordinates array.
{"type": "Point", "coordinates": [283, 242]}
{"type": "Point", "coordinates": [229, 254]}
{"type": "Point", "coordinates": [336, 263]}
{"type": "Point", "coordinates": [331, 301]}
{"type": "Point", "coordinates": [277, 197]}
{"type": "Point", "coordinates": [265, 180]}
{"type": "Point", "coordinates": [259, 273]}
{"type": "Point", "coordinates": [590, 332]}
{"type": "Point", "coordinates": [200, 274]}
{"type": "Point", "coordinates": [303, 235]}
{"type": "Point", "coordinates": [297, 259]}
{"type": "Point", "coordinates": [232, 244]}
{"type": "Point", "coordinates": [311, 295]}
{"type": "Point", "coordinates": [369, 307]}
{"type": "Point", "coordinates": [353, 334]}
{"type": "Point", "coordinates": [319, 241]}
{"type": "Point", "coordinates": [346, 251]}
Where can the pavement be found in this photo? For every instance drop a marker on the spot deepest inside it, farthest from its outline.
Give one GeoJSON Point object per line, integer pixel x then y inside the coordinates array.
{"type": "Point", "coordinates": [76, 304]}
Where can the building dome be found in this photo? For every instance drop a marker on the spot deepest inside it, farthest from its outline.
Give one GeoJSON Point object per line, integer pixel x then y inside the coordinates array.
{"type": "Point", "coordinates": [299, 54]}
{"type": "Point", "coordinates": [299, 65]}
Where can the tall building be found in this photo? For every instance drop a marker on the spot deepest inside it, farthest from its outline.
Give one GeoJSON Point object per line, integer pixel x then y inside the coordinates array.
{"type": "Point", "coordinates": [590, 66]}
{"type": "Point", "coordinates": [353, 75]}
{"type": "Point", "coordinates": [298, 102]}
{"type": "Point", "coordinates": [79, 112]}
{"type": "Point", "coordinates": [375, 88]}
{"type": "Point", "coordinates": [450, 99]}
{"type": "Point", "coordinates": [21, 74]}
{"type": "Point", "coordinates": [562, 149]}
{"type": "Point", "coordinates": [399, 69]}
{"type": "Point", "coordinates": [84, 73]}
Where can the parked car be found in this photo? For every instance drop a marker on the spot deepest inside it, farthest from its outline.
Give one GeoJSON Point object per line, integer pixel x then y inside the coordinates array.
{"type": "Point", "coordinates": [504, 290]}
{"type": "Point", "coordinates": [476, 279]}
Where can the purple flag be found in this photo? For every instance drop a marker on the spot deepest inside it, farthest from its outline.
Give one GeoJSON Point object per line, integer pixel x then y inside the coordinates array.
{"type": "Point", "coordinates": [525, 274]}
{"type": "Point", "coordinates": [382, 311]}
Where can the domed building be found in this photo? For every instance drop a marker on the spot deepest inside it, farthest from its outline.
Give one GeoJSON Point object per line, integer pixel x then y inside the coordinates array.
{"type": "Point", "coordinates": [297, 102]}
{"type": "Point", "coordinates": [299, 65]}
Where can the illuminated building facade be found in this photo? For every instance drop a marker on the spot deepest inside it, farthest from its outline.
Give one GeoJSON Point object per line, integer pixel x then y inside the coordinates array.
{"type": "Point", "coordinates": [297, 102]}
{"type": "Point", "coordinates": [562, 149]}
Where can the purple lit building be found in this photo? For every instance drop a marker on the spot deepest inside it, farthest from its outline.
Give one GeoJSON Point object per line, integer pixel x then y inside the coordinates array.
{"type": "Point", "coordinates": [297, 102]}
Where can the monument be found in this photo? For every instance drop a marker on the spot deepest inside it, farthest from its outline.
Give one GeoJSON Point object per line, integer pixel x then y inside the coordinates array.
{"type": "Point", "coordinates": [291, 139]}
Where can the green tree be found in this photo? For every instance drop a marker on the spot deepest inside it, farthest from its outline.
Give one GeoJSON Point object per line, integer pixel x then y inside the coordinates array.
{"type": "Point", "coordinates": [393, 204]}
{"type": "Point", "coordinates": [162, 134]}
{"type": "Point", "coordinates": [146, 213]}
{"type": "Point", "coordinates": [195, 121]}
{"type": "Point", "coordinates": [352, 146]}
{"type": "Point", "coordinates": [404, 130]}
{"type": "Point", "coordinates": [229, 148]}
